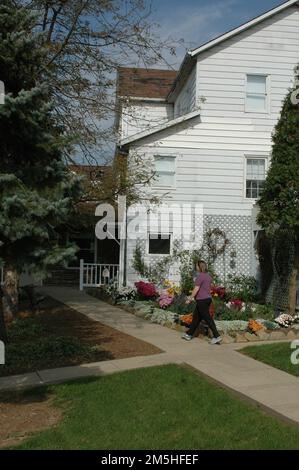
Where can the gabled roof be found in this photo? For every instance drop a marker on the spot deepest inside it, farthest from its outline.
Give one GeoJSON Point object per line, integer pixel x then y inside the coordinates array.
{"type": "Point", "coordinates": [144, 83]}
{"type": "Point", "coordinates": [159, 128]}
{"type": "Point", "coordinates": [243, 27]}
{"type": "Point", "coordinates": [166, 84]}
{"type": "Point", "coordinates": [190, 58]}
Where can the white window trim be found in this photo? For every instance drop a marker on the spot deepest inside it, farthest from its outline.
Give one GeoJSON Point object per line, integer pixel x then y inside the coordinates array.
{"type": "Point", "coordinates": [255, 156]}
{"type": "Point", "coordinates": [268, 93]}
{"type": "Point", "coordinates": [157, 255]}
{"type": "Point", "coordinates": [157, 186]}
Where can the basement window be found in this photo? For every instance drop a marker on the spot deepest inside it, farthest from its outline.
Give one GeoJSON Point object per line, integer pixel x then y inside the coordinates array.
{"type": "Point", "coordinates": [159, 244]}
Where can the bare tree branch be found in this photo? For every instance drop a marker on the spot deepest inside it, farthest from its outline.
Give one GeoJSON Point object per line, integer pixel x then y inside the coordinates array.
{"type": "Point", "coordinates": [87, 41]}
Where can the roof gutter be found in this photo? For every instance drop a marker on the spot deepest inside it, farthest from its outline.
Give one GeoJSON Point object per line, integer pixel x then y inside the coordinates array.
{"type": "Point", "coordinates": [182, 76]}
{"type": "Point", "coordinates": [140, 98]}
{"type": "Point", "coordinates": [190, 57]}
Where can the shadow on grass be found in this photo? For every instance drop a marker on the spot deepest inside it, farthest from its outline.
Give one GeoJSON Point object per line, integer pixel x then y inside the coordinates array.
{"type": "Point", "coordinates": [32, 395]}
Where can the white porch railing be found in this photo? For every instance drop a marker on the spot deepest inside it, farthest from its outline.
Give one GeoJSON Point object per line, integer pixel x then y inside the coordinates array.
{"type": "Point", "coordinates": [96, 275]}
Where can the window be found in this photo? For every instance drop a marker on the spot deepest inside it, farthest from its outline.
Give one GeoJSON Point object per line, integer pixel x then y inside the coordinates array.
{"type": "Point", "coordinates": [159, 244]}
{"type": "Point", "coordinates": [256, 93]}
{"type": "Point", "coordinates": [165, 171]}
{"type": "Point", "coordinates": [255, 176]}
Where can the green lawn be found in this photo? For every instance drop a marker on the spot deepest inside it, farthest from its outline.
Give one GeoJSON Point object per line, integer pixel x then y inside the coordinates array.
{"type": "Point", "coordinates": [277, 355]}
{"type": "Point", "coordinates": [165, 407]}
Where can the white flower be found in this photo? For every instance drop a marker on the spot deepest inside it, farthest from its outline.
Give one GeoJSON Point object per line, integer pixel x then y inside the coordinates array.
{"type": "Point", "coordinates": [227, 326]}
{"type": "Point", "coordinates": [284, 320]}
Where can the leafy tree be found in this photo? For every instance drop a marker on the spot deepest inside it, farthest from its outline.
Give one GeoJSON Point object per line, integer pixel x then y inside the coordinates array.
{"type": "Point", "coordinates": [37, 191]}
{"type": "Point", "coordinates": [122, 179]}
{"type": "Point", "coordinates": [279, 202]}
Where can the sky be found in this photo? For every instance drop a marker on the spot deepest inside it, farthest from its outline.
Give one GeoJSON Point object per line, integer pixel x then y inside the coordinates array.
{"type": "Point", "coordinates": [198, 21]}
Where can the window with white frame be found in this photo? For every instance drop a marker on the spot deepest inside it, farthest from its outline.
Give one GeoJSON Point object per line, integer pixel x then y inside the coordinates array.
{"type": "Point", "coordinates": [164, 171]}
{"type": "Point", "coordinates": [159, 244]}
{"type": "Point", "coordinates": [256, 93]}
{"type": "Point", "coordinates": [255, 177]}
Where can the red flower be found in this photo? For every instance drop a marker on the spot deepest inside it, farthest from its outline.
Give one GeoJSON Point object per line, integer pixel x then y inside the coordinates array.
{"type": "Point", "coordinates": [146, 289]}
{"type": "Point", "coordinates": [218, 291]}
{"type": "Point", "coordinates": [237, 303]}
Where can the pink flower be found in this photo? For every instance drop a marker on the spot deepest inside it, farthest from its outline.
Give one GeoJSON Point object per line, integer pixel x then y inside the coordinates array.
{"type": "Point", "coordinates": [165, 300]}
{"type": "Point", "coordinates": [238, 304]}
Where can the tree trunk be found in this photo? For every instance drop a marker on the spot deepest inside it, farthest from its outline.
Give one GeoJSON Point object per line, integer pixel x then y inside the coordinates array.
{"type": "Point", "coordinates": [10, 300]}
{"type": "Point", "coordinates": [293, 283]}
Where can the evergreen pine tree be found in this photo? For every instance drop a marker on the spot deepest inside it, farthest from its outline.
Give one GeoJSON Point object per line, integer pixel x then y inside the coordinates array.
{"type": "Point", "coordinates": [37, 192]}
{"type": "Point", "coordinates": [279, 202]}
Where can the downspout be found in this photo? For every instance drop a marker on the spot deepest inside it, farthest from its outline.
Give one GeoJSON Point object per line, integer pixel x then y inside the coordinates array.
{"type": "Point", "coordinates": [125, 242]}
{"type": "Point", "coordinates": [125, 248]}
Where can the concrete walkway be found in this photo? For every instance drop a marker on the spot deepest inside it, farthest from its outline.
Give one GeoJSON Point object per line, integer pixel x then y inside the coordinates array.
{"type": "Point", "coordinates": [274, 390]}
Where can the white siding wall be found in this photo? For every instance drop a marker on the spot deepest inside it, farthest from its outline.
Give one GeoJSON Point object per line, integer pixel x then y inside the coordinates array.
{"type": "Point", "coordinates": [270, 48]}
{"type": "Point", "coordinates": [186, 100]}
{"type": "Point", "coordinates": [139, 116]}
{"type": "Point", "coordinates": [211, 150]}
{"type": "Point", "coordinates": [210, 166]}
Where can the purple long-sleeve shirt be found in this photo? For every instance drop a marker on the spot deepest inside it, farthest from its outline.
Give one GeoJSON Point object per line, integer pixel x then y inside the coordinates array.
{"type": "Point", "coordinates": [204, 282]}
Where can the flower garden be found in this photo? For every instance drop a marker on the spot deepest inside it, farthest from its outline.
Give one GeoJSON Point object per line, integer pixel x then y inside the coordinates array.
{"type": "Point", "coordinates": [235, 308]}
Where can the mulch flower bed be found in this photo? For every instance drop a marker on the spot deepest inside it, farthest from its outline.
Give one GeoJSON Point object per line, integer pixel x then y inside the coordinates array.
{"type": "Point", "coordinates": [59, 336]}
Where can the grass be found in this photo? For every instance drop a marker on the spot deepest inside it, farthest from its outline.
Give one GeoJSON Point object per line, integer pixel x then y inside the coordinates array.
{"type": "Point", "coordinates": [277, 355]}
{"type": "Point", "coordinates": [165, 407]}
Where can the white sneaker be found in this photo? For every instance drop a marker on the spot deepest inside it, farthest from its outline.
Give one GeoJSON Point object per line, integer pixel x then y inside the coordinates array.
{"type": "Point", "coordinates": [187, 337]}
{"type": "Point", "coordinates": [216, 340]}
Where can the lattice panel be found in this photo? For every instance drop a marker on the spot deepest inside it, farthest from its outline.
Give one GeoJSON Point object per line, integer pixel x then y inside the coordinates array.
{"type": "Point", "coordinates": [238, 230]}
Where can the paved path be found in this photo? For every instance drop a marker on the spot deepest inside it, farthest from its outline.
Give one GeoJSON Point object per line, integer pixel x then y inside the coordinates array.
{"type": "Point", "coordinates": [271, 388]}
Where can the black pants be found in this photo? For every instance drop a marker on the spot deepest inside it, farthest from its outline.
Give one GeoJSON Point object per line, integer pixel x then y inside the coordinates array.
{"type": "Point", "coordinates": [202, 313]}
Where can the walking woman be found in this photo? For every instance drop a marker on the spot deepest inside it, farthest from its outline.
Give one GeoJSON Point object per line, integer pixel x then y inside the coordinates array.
{"type": "Point", "coordinates": [202, 294]}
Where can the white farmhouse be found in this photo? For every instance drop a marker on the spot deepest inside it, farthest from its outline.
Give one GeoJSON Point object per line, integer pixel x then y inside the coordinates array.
{"type": "Point", "coordinates": [207, 130]}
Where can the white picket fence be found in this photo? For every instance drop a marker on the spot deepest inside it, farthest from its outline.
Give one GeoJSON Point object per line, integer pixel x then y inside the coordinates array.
{"type": "Point", "coordinates": [96, 275]}
{"type": "Point", "coordinates": [92, 275]}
